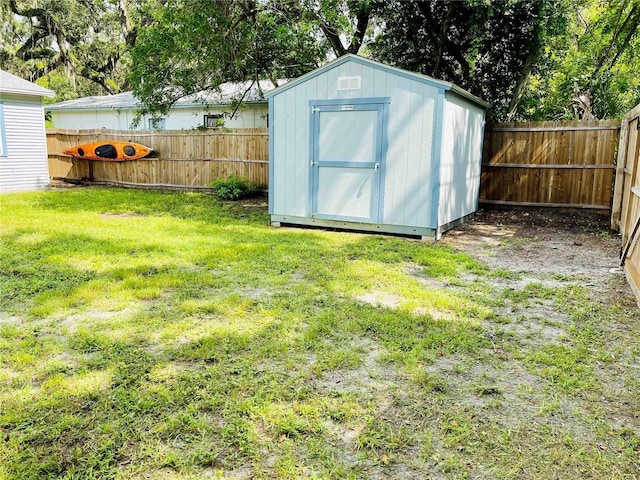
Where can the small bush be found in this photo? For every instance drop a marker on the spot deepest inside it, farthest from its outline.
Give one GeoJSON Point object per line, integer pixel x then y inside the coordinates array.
{"type": "Point", "coordinates": [234, 188]}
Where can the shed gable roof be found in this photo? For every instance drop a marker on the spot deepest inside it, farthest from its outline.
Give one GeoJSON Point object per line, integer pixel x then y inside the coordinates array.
{"type": "Point", "coordinates": [380, 66]}
{"type": "Point", "coordinates": [10, 83]}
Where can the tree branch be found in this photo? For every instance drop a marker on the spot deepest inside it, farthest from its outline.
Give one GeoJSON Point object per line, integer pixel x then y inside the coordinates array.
{"type": "Point", "coordinates": [442, 39]}
{"type": "Point", "coordinates": [27, 12]}
{"type": "Point", "coordinates": [333, 38]}
{"type": "Point", "coordinates": [363, 15]}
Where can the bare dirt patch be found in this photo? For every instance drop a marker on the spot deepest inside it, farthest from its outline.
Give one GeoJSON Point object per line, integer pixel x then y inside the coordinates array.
{"type": "Point", "coordinates": [561, 360]}
{"type": "Point", "coordinates": [558, 250]}
{"type": "Point", "coordinates": [530, 387]}
{"type": "Point", "coordinates": [542, 243]}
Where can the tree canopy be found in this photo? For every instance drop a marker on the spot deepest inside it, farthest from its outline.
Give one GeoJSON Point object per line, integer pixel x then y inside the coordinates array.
{"type": "Point", "coordinates": [196, 45]}
{"type": "Point", "coordinates": [74, 46]}
{"type": "Point", "coordinates": [539, 59]}
{"type": "Point", "coordinates": [488, 48]}
{"type": "Point", "coordinates": [592, 70]}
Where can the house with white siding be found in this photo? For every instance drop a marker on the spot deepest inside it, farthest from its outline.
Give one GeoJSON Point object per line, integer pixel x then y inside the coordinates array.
{"type": "Point", "coordinates": [202, 110]}
{"type": "Point", "coordinates": [23, 143]}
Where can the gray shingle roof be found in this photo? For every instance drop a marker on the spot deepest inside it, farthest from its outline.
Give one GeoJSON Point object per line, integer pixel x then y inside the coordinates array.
{"type": "Point", "coordinates": [126, 100]}
{"type": "Point", "coordinates": [10, 83]}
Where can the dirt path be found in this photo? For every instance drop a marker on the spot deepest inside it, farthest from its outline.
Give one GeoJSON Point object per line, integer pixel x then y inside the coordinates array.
{"type": "Point", "coordinates": [548, 245]}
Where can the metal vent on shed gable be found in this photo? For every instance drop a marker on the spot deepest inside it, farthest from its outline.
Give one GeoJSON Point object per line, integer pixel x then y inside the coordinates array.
{"type": "Point", "coordinates": [349, 83]}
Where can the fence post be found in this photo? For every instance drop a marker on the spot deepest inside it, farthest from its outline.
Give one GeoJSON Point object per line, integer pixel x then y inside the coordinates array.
{"type": "Point", "coordinates": [616, 204]}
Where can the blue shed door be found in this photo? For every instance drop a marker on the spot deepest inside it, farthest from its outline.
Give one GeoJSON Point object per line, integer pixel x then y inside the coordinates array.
{"type": "Point", "coordinates": [347, 144]}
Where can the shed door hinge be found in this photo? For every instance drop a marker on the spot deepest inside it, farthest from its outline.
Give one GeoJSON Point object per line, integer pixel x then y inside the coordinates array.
{"type": "Point", "coordinates": [315, 110]}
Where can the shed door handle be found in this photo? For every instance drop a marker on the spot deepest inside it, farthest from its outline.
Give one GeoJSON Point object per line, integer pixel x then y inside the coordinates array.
{"type": "Point", "coordinates": [376, 167]}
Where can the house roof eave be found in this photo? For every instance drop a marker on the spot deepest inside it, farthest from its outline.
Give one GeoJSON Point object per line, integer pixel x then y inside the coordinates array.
{"type": "Point", "coordinates": [137, 107]}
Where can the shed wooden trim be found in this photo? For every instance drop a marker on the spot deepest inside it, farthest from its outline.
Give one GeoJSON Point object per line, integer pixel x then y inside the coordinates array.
{"type": "Point", "coordinates": [292, 220]}
{"type": "Point", "coordinates": [271, 116]}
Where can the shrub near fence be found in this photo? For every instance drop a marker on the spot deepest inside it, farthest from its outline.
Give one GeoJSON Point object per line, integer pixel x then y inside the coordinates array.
{"type": "Point", "coordinates": [550, 164]}
{"type": "Point", "coordinates": [181, 159]}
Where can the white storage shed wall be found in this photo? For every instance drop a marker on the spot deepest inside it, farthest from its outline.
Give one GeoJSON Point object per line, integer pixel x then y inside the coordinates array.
{"type": "Point", "coordinates": [23, 163]}
{"type": "Point", "coordinates": [430, 164]}
{"type": "Point", "coordinates": [460, 158]}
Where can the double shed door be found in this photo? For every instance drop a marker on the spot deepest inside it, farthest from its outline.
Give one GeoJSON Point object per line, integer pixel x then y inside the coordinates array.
{"type": "Point", "coordinates": [347, 147]}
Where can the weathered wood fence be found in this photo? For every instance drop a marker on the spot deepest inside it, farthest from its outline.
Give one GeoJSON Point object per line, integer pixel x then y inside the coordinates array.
{"type": "Point", "coordinates": [550, 164]}
{"type": "Point", "coordinates": [182, 159]}
{"type": "Point", "coordinates": [625, 212]}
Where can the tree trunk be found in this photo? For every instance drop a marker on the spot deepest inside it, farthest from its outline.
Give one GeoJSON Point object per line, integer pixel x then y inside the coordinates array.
{"type": "Point", "coordinates": [364, 12]}
{"type": "Point", "coordinates": [525, 74]}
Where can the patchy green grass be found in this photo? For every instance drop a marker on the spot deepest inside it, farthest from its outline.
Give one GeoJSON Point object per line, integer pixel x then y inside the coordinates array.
{"type": "Point", "coordinates": [172, 335]}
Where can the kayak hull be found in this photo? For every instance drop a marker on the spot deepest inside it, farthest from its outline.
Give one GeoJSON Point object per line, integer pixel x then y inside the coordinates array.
{"type": "Point", "coordinates": [109, 151]}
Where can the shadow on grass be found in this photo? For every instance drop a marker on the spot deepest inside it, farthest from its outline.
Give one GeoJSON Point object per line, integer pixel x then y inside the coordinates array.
{"type": "Point", "coordinates": [188, 339]}
{"type": "Point", "coordinates": [181, 205]}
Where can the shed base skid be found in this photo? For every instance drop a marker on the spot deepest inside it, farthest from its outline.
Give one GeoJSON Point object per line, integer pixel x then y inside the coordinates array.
{"type": "Point", "coordinates": [448, 226]}
{"type": "Point", "coordinates": [423, 232]}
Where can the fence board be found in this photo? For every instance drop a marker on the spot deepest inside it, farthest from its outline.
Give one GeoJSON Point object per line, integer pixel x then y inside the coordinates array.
{"type": "Point", "coordinates": [546, 164]}
{"type": "Point", "coordinates": [625, 212]}
{"type": "Point", "coordinates": [182, 159]}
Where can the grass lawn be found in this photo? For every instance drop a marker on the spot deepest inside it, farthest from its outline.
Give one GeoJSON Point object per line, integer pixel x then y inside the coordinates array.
{"type": "Point", "coordinates": [170, 335]}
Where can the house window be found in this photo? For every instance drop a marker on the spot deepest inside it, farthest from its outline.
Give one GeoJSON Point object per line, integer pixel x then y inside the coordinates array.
{"type": "Point", "coordinates": [214, 120]}
{"type": "Point", "coordinates": [3, 133]}
{"type": "Point", "coordinates": [157, 123]}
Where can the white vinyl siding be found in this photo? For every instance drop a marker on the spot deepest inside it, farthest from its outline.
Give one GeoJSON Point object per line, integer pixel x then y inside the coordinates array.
{"type": "Point", "coordinates": [24, 164]}
{"type": "Point", "coordinates": [250, 116]}
{"type": "Point", "coordinates": [3, 136]}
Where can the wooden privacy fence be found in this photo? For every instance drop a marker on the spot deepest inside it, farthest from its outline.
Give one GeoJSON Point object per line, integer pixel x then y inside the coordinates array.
{"type": "Point", "coordinates": [625, 212]}
{"type": "Point", "coordinates": [181, 159]}
{"type": "Point", "coordinates": [549, 164]}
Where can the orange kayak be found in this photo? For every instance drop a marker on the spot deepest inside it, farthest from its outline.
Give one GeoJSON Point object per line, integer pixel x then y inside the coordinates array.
{"type": "Point", "coordinates": [109, 151]}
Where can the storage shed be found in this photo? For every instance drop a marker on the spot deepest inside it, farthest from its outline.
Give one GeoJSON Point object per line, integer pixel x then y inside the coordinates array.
{"type": "Point", "coordinates": [360, 145]}
{"type": "Point", "coordinates": [23, 143]}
